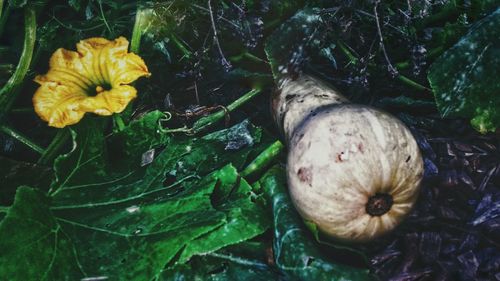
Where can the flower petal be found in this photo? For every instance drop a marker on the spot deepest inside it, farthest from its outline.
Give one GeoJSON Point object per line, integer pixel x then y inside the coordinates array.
{"type": "Point", "coordinates": [74, 78]}
{"type": "Point", "coordinates": [109, 102]}
{"type": "Point", "coordinates": [110, 61]}
{"type": "Point", "coordinates": [58, 104]}
{"type": "Point", "coordinates": [128, 69]}
{"type": "Point", "coordinates": [66, 68]}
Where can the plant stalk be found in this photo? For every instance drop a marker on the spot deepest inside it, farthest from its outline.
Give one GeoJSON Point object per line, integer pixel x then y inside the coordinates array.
{"type": "Point", "coordinates": [263, 160]}
{"type": "Point", "coordinates": [180, 45]}
{"type": "Point", "coordinates": [137, 31]}
{"type": "Point", "coordinates": [55, 146]}
{"type": "Point", "coordinates": [4, 16]}
{"type": "Point", "coordinates": [9, 92]}
{"type": "Point", "coordinates": [206, 122]}
{"type": "Point", "coordinates": [21, 138]}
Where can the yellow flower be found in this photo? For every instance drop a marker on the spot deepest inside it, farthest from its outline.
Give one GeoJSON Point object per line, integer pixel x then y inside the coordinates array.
{"type": "Point", "coordinates": [92, 79]}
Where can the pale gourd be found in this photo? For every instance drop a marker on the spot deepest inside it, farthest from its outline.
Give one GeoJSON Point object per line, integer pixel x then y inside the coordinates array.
{"type": "Point", "coordinates": [352, 170]}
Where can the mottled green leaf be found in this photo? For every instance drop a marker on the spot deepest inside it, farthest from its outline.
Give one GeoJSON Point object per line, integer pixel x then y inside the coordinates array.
{"type": "Point", "coordinates": [295, 251]}
{"type": "Point", "coordinates": [15, 173]}
{"type": "Point", "coordinates": [18, 3]}
{"type": "Point", "coordinates": [465, 79]}
{"type": "Point", "coordinates": [244, 261]}
{"type": "Point", "coordinates": [287, 45]}
{"type": "Point", "coordinates": [246, 218]}
{"type": "Point", "coordinates": [100, 221]}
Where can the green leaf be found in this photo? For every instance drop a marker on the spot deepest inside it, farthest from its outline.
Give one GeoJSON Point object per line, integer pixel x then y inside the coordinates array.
{"type": "Point", "coordinates": [129, 145]}
{"type": "Point", "coordinates": [286, 45]}
{"type": "Point", "coordinates": [465, 78]}
{"type": "Point", "coordinates": [246, 218]}
{"type": "Point", "coordinates": [32, 244]}
{"type": "Point", "coordinates": [14, 174]}
{"type": "Point", "coordinates": [295, 251]}
{"type": "Point", "coordinates": [244, 261]}
{"type": "Point", "coordinates": [18, 3]}
{"type": "Point", "coordinates": [129, 224]}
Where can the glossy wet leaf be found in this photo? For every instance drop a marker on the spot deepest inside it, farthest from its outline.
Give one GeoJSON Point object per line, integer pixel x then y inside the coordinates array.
{"type": "Point", "coordinates": [100, 221]}
{"type": "Point", "coordinates": [464, 78]}
{"type": "Point", "coordinates": [244, 261]}
{"type": "Point", "coordinates": [295, 252]}
{"type": "Point", "coordinates": [246, 217]}
{"type": "Point", "coordinates": [287, 47]}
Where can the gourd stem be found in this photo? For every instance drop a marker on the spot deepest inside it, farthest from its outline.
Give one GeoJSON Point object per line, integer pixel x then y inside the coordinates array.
{"type": "Point", "coordinates": [55, 146]}
{"type": "Point", "coordinates": [379, 204]}
{"type": "Point", "coordinates": [21, 138]}
{"type": "Point", "coordinates": [4, 209]}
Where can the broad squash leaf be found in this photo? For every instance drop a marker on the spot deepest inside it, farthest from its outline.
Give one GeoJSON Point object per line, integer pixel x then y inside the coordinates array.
{"type": "Point", "coordinates": [128, 223]}
{"type": "Point", "coordinates": [244, 261]}
{"type": "Point", "coordinates": [15, 173]}
{"type": "Point", "coordinates": [465, 78]}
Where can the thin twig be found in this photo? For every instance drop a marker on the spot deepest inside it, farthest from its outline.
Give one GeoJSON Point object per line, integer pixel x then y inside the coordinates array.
{"type": "Point", "coordinates": [225, 62]}
{"type": "Point", "coordinates": [392, 70]}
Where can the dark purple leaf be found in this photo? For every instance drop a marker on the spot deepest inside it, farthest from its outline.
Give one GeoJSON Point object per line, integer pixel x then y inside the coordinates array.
{"type": "Point", "coordinates": [469, 243]}
{"type": "Point", "coordinates": [489, 260]}
{"type": "Point", "coordinates": [410, 251]}
{"type": "Point", "coordinates": [469, 265]}
{"type": "Point", "coordinates": [463, 146]}
{"type": "Point", "coordinates": [486, 210]}
{"type": "Point", "coordinates": [464, 177]}
{"type": "Point", "coordinates": [429, 246]}
{"type": "Point", "coordinates": [411, 276]}
{"type": "Point", "coordinates": [449, 178]}
{"type": "Point", "coordinates": [448, 213]}
{"type": "Point", "coordinates": [430, 169]}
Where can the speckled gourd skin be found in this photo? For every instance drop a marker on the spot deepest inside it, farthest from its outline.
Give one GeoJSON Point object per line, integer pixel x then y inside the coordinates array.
{"type": "Point", "coordinates": [297, 98]}
{"type": "Point", "coordinates": [342, 154]}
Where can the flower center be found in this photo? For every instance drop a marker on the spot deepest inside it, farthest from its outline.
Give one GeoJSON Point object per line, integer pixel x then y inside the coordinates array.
{"type": "Point", "coordinates": [99, 89]}
{"type": "Point", "coordinates": [379, 204]}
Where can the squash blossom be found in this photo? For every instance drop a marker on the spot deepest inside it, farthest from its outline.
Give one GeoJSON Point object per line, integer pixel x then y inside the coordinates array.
{"type": "Point", "coordinates": [93, 79]}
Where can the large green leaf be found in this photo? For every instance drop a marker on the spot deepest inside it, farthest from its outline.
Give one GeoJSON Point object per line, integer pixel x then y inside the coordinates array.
{"type": "Point", "coordinates": [246, 218]}
{"type": "Point", "coordinates": [15, 173]}
{"type": "Point", "coordinates": [244, 261]}
{"type": "Point", "coordinates": [295, 252]}
{"type": "Point", "coordinates": [100, 220]}
{"type": "Point", "coordinates": [465, 78]}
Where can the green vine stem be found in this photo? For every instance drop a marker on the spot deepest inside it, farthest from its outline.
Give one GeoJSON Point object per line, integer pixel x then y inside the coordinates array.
{"type": "Point", "coordinates": [4, 209]}
{"type": "Point", "coordinates": [347, 52]}
{"type": "Point", "coordinates": [1, 7]}
{"type": "Point", "coordinates": [119, 123]}
{"type": "Point", "coordinates": [354, 60]}
{"type": "Point", "coordinates": [263, 160]}
{"type": "Point", "coordinates": [206, 122]}
{"type": "Point", "coordinates": [4, 15]}
{"type": "Point", "coordinates": [432, 54]}
{"type": "Point", "coordinates": [54, 147]}
{"type": "Point", "coordinates": [21, 138]}
{"type": "Point", "coordinates": [137, 31]}
{"type": "Point", "coordinates": [9, 92]}
{"type": "Point", "coordinates": [180, 45]}
{"type": "Point", "coordinates": [249, 56]}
